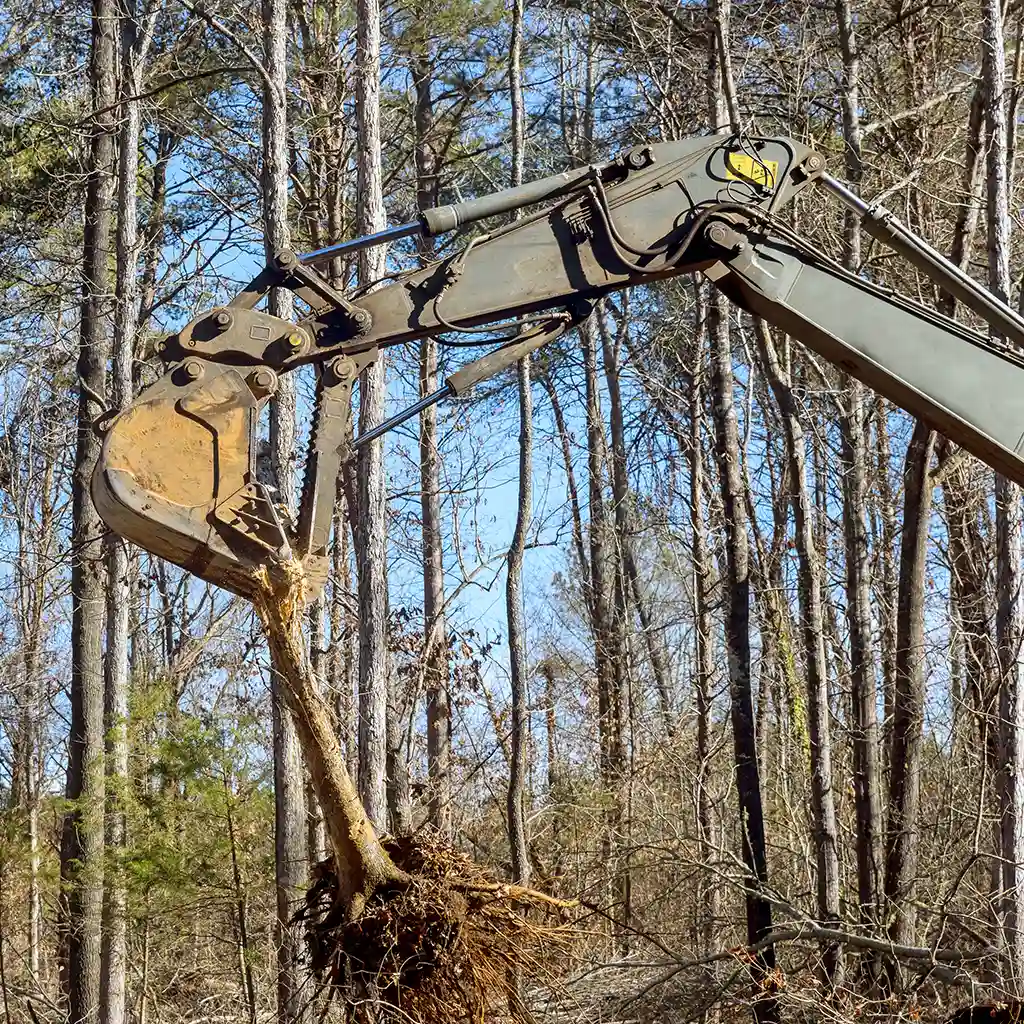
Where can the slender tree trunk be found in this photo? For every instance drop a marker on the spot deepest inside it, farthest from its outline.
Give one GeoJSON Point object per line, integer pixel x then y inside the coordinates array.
{"type": "Point", "coordinates": [244, 952]}
{"type": "Point", "coordinates": [823, 808]}
{"type": "Point", "coordinates": [609, 656]}
{"type": "Point", "coordinates": [908, 697]}
{"type": "Point", "coordinates": [866, 772]}
{"type": "Point", "coordinates": [289, 787]}
{"type": "Point", "coordinates": [435, 628]}
{"type": "Point", "coordinates": [120, 567]}
{"type": "Point", "coordinates": [704, 670]}
{"type": "Point", "coordinates": [370, 524]}
{"type": "Point", "coordinates": [628, 585]}
{"type": "Point", "coordinates": [82, 840]}
{"type": "Point", "coordinates": [518, 668]}
{"type": "Point", "coordinates": [1010, 780]}
{"type": "Point", "coordinates": [737, 556]}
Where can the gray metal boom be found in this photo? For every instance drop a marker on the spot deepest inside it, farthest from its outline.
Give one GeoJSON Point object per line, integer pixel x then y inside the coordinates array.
{"type": "Point", "coordinates": [178, 469]}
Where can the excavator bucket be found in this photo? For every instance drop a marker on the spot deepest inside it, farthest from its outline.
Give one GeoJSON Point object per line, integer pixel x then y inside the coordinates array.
{"type": "Point", "coordinates": [177, 473]}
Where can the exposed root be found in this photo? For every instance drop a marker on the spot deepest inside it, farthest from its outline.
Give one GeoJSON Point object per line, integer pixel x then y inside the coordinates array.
{"type": "Point", "coordinates": [446, 948]}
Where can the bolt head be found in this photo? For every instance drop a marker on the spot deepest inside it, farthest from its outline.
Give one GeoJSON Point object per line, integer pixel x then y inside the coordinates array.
{"type": "Point", "coordinates": [285, 258]}
{"type": "Point", "coordinates": [815, 162]}
{"type": "Point", "coordinates": [222, 318]}
{"type": "Point", "coordinates": [264, 378]}
{"type": "Point", "coordinates": [639, 158]}
{"type": "Point", "coordinates": [193, 369]}
{"type": "Point", "coordinates": [717, 234]}
{"type": "Point", "coordinates": [295, 341]}
{"type": "Point", "coordinates": [343, 368]}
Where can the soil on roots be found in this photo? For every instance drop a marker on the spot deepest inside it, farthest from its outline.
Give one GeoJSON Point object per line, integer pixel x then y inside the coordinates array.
{"type": "Point", "coordinates": [450, 947]}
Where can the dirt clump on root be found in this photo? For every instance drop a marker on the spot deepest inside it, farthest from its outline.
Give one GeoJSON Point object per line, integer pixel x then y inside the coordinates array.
{"type": "Point", "coordinates": [446, 948]}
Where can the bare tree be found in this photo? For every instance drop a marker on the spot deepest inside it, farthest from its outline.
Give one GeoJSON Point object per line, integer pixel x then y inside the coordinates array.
{"type": "Point", "coordinates": [518, 668]}
{"type": "Point", "coordinates": [289, 788]}
{"type": "Point", "coordinates": [83, 832]}
{"type": "Point", "coordinates": [370, 522]}
{"type": "Point", "coordinates": [1009, 618]}
{"type": "Point", "coordinates": [136, 34]}
{"type": "Point", "coordinates": [866, 775]}
{"type": "Point", "coordinates": [737, 573]}
{"type": "Point", "coordinates": [813, 629]}
{"type": "Point", "coordinates": [436, 668]}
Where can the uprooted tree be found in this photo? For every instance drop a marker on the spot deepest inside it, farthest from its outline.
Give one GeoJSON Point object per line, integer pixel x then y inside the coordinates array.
{"type": "Point", "coordinates": [411, 922]}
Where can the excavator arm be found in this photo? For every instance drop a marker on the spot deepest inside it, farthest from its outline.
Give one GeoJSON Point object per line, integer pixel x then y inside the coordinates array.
{"type": "Point", "coordinates": [178, 469]}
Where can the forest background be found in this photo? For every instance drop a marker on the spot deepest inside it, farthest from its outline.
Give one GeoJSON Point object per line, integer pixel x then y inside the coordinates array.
{"type": "Point", "coordinates": [671, 575]}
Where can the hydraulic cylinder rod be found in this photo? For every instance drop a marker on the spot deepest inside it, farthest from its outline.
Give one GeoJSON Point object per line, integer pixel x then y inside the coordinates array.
{"type": "Point", "coordinates": [883, 225]}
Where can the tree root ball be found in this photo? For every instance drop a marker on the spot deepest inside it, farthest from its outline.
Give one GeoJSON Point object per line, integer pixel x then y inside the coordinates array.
{"type": "Point", "coordinates": [449, 946]}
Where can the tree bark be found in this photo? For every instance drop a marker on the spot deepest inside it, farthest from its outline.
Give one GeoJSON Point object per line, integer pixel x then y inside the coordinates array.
{"type": "Point", "coordinates": [289, 787]}
{"type": "Point", "coordinates": [121, 590]}
{"type": "Point", "coordinates": [703, 661]}
{"type": "Point", "coordinates": [361, 863]}
{"type": "Point", "coordinates": [823, 809]}
{"type": "Point", "coordinates": [515, 613]}
{"type": "Point", "coordinates": [908, 697]}
{"type": "Point", "coordinates": [82, 839]}
{"type": "Point", "coordinates": [737, 577]}
{"type": "Point", "coordinates": [1009, 619]}
{"type": "Point", "coordinates": [435, 628]}
{"type": "Point", "coordinates": [866, 771]}
{"type": "Point", "coordinates": [370, 522]}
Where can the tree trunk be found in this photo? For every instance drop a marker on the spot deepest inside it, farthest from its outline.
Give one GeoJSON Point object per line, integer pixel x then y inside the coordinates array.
{"type": "Point", "coordinates": [866, 771]}
{"type": "Point", "coordinates": [628, 586]}
{"type": "Point", "coordinates": [82, 839]}
{"type": "Point", "coordinates": [289, 787]}
{"type": "Point", "coordinates": [120, 563]}
{"type": "Point", "coordinates": [1010, 780]}
{"type": "Point", "coordinates": [703, 661]}
{"type": "Point", "coordinates": [370, 522]}
{"type": "Point", "coordinates": [737, 579]}
{"type": "Point", "coordinates": [361, 863]}
{"type": "Point", "coordinates": [608, 653]}
{"type": "Point", "coordinates": [823, 810]}
{"type": "Point", "coordinates": [908, 697]}
{"type": "Point", "coordinates": [518, 668]}
{"type": "Point", "coordinates": [435, 629]}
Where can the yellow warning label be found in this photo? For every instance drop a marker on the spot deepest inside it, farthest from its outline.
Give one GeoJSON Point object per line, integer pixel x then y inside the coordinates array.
{"type": "Point", "coordinates": [740, 167]}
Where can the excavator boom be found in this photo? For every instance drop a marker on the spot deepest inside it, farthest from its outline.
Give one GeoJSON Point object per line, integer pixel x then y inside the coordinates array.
{"type": "Point", "coordinates": [177, 472]}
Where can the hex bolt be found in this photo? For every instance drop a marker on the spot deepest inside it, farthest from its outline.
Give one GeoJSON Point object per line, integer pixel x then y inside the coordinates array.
{"type": "Point", "coordinates": [193, 369]}
{"type": "Point", "coordinates": [285, 258]}
{"type": "Point", "coordinates": [221, 319]}
{"type": "Point", "coordinates": [815, 162]}
{"type": "Point", "coordinates": [264, 379]}
{"type": "Point", "coordinates": [362, 320]}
